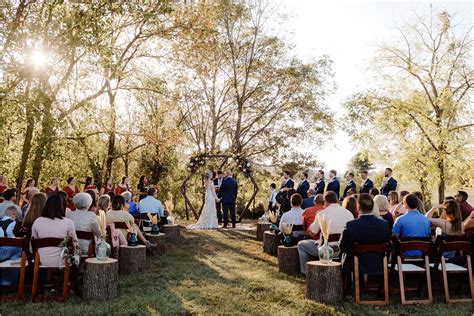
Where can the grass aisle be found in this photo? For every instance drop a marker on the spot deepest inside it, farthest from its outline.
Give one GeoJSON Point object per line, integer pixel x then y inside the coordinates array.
{"type": "Point", "coordinates": [214, 272]}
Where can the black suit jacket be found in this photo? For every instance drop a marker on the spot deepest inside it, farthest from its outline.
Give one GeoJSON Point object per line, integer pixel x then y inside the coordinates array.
{"type": "Point", "coordinates": [334, 186]}
{"type": "Point", "coordinates": [303, 188]}
{"type": "Point", "coordinates": [365, 188]}
{"type": "Point", "coordinates": [391, 185]}
{"type": "Point", "coordinates": [290, 184]}
{"type": "Point", "coordinates": [319, 187]}
{"type": "Point", "coordinates": [367, 229]}
{"type": "Point", "coordinates": [349, 185]}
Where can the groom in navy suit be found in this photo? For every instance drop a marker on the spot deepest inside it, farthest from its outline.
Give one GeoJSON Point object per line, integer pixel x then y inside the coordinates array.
{"type": "Point", "coordinates": [228, 196]}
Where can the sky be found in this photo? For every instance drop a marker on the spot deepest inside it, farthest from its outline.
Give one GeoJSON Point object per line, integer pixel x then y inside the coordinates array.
{"type": "Point", "coordinates": [348, 31]}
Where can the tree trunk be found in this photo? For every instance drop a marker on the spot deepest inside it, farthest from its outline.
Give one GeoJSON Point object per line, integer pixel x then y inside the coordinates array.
{"type": "Point", "coordinates": [100, 280]}
{"type": "Point", "coordinates": [270, 243]}
{"type": "Point", "coordinates": [132, 259]}
{"type": "Point", "coordinates": [25, 152]}
{"type": "Point", "coordinates": [324, 282]}
{"type": "Point", "coordinates": [44, 139]}
{"type": "Point", "coordinates": [442, 180]}
{"type": "Point", "coordinates": [172, 232]}
{"type": "Point", "coordinates": [261, 229]}
{"type": "Point", "coordinates": [111, 146]}
{"type": "Point", "coordinates": [160, 241]}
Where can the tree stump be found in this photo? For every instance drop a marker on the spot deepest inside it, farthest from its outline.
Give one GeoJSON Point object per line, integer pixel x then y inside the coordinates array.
{"type": "Point", "coordinates": [324, 282]}
{"type": "Point", "coordinates": [100, 279]}
{"type": "Point", "coordinates": [132, 259]}
{"type": "Point", "coordinates": [160, 241]}
{"type": "Point", "coordinates": [288, 260]}
{"type": "Point", "coordinates": [270, 243]}
{"type": "Point", "coordinates": [261, 228]}
{"type": "Point", "coordinates": [172, 232]}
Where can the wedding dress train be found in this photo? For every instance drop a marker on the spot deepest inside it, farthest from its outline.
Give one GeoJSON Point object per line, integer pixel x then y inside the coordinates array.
{"type": "Point", "coordinates": [208, 218]}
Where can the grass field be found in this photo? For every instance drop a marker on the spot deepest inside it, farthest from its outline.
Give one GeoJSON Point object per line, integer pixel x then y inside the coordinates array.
{"type": "Point", "coordinates": [216, 272]}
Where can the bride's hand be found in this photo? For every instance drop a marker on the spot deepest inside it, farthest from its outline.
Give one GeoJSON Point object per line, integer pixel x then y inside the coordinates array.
{"type": "Point", "coordinates": [218, 200]}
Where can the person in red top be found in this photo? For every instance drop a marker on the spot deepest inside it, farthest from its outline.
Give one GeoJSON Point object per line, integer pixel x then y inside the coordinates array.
{"type": "Point", "coordinates": [53, 186]}
{"type": "Point", "coordinates": [466, 209]}
{"type": "Point", "coordinates": [89, 184]}
{"type": "Point", "coordinates": [30, 184]}
{"type": "Point", "coordinates": [123, 186]}
{"type": "Point", "coordinates": [3, 187]}
{"type": "Point", "coordinates": [107, 187]}
{"type": "Point", "coordinates": [310, 213]}
{"type": "Point", "coordinates": [71, 190]}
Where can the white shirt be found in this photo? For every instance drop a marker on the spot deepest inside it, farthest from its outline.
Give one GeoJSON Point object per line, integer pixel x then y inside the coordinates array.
{"type": "Point", "coordinates": [272, 198]}
{"type": "Point", "coordinates": [293, 216]}
{"type": "Point", "coordinates": [337, 216]}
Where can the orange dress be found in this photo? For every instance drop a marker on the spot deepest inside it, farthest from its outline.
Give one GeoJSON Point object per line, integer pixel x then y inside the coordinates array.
{"type": "Point", "coordinates": [70, 195]}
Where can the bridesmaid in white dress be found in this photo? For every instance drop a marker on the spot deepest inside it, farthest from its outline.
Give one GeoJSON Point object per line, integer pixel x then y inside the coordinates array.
{"type": "Point", "coordinates": [208, 218]}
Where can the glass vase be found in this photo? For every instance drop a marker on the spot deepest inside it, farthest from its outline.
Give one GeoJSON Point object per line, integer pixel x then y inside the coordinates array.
{"type": "Point", "coordinates": [101, 250]}
{"type": "Point", "coordinates": [133, 240]}
{"type": "Point", "coordinates": [155, 230]}
{"type": "Point", "coordinates": [326, 253]}
{"type": "Point", "coordinates": [170, 219]}
{"type": "Point", "coordinates": [288, 241]}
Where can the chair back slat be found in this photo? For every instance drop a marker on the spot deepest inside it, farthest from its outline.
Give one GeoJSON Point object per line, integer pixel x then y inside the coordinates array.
{"type": "Point", "coordinates": [120, 225]}
{"type": "Point", "coordinates": [332, 237]}
{"type": "Point", "coordinates": [142, 216]}
{"type": "Point", "coordinates": [12, 242]}
{"type": "Point", "coordinates": [423, 246]}
{"type": "Point", "coordinates": [84, 235]}
{"type": "Point", "coordinates": [46, 242]}
{"type": "Point", "coordinates": [297, 228]}
{"type": "Point", "coordinates": [463, 246]}
{"type": "Point", "coordinates": [380, 248]}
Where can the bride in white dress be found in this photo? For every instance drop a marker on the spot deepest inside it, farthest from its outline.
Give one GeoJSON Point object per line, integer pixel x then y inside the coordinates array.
{"type": "Point", "coordinates": [208, 218]}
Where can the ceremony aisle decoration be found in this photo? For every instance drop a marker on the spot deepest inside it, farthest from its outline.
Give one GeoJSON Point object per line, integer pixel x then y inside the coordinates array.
{"type": "Point", "coordinates": [326, 253]}
{"type": "Point", "coordinates": [288, 239]}
{"type": "Point", "coordinates": [102, 249]}
{"type": "Point", "coordinates": [154, 224]}
{"type": "Point", "coordinates": [132, 240]}
{"type": "Point", "coordinates": [273, 218]}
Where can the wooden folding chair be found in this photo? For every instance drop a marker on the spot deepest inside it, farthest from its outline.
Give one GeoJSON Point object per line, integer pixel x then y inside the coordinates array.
{"type": "Point", "coordinates": [87, 236]}
{"type": "Point", "coordinates": [10, 264]}
{"type": "Point", "coordinates": [410, 268]}
{"type": "Point", "coordinates": [371, 248]}
{"type": "Point", "coordinates": [462, 248]}
{"type": "Point", "coordinates": [42, 243]}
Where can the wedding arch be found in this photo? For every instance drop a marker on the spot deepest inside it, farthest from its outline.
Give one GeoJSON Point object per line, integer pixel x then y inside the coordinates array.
{"type": "Point", "coordinates": [199, 160]}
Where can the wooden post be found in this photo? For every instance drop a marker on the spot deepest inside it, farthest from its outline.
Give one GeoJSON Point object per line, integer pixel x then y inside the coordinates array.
{"type": "Point", "coordinates": [261, 228]}
{"type": "Point", "coordinates": [100, 279]}
{"type": "Point", "coordinates": [288, 260]}
{"type": "Point", "coordinates": [160, 241]}
{"type": "Point", "coordinates": [172, 232]}
{"type": "Point", "coordinates": [132, 259]}
{"type": "Point", "coordinates": [270, 243]}
{"type": "Point", "coordinates": [324, 282]}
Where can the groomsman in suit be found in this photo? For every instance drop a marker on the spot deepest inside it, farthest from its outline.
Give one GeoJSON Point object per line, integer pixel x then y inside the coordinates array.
{"type": "Point", "coordinates": [288, 183]}
{"type": "Point", "coordinates": [228, 196]}
{"type": "Point", "coordinates": [333, 184]}
{"type": "Point", "coordinates": [366, 183]}
{"type": "Point", "coordinates": [309, 201]}
{"type": "Point", "coordinates": [319, 187]}
{"type": "Point", "coordinates": [388, 183]}
{"type": "Point", "coordinates": [217, 186]}
{"type": "Point", "coordinates": [349, 185]}
{"type": "Point", "coordinates": [303, 186]}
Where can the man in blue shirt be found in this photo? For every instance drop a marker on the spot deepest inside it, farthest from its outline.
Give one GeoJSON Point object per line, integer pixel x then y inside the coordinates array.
{"type": "Point", "coordinates": [411, 224]}
{"type": "Point", "coordinates": [151, 204]}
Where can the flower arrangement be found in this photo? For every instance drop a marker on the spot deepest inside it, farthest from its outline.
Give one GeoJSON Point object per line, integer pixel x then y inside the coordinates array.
{"type": "Point", "coordinates": [71, 251]}
{"type": "Point", "coordinates": [244, 165]}
{"type": "Point", "coordinates": [273, 219]}
{"type": "Point", "coordinates": [287, 230]}
{"type": "Point", "coordinates": [195, 162]}
{"type": "Point", "coordinates": [154, 224]}
{"type": "Point", "coordinates": [324, 226]}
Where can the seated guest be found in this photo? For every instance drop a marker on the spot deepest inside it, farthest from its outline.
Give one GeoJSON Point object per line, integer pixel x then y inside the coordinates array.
{"type": "Point", "coordinates": [337, 216]}
{"type": "Point", "coordinates": [93, 194]}
{"type": "Point", "coordinates": [9, 197]}
{"type": "Point", "coordinates": [117, 237]}
{"type": "Point", "coordinates": [350, 185]}
{"type": "Point", "coordinates": [450, 221]}
{"type": "Point", "coordinates": [117, 214]}
{"type": "Point", "coordinates": [466, 208]}
{"type": "Point", "coordinates": [469, 222]}
{"type": "Point", "coordinates": [7, 225]}
{"type": "Point", "coordinates": [350, 204]}
{"type": "Point", "coordinates": [421, 201]}
{"type": "Point", "coordinates": [393, 200]}
{"type": "Point", "coordinates": [374, 192]}
{"type": "Point", "coordinates": [383, 206]}
{"type": "Point", "coordinates": [52, 224]}
{"type": "Point", "coordinates": [151, 204]}
{"type": "Point", "coordinates": [293, 216]}
{"type": "Point", "coordinates": [283, 197]}
{"type": "Point", "coordinates": [130, 206]}
{"type": "Point", "coordinates": [303, 186]}
{"type": "Point", "coordinates": [310, 213]}
{"type": "Point", "coordinates": [104, 203]}
{"type": "Point", "coordinates": [25, 206]}
{"type": "Point", "coordinates": [83, 219]}
{"type": "Point", "coordinates": [309, 201]}
{"type": "Point", "coordinates": [367, 229]}
{"type": "Point", "coordinates": [400, 208]}
{"type": "Point", "coordinates": [411, 224]}
{"type": "Point", "coordinates": [36, 205]}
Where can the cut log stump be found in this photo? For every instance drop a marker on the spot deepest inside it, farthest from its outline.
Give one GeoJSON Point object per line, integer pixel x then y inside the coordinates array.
{"type": "Point", "coordinates": [100, 279]}
{"type": "Point", "coordinates": [132, 259]}
{"type": "Point", "coordinates": [261, 228]}
{"type": "Point", "coordinates": [172, 232]}
{"type": "Point", "coordinates": [270, 243]}
{"type": "Point", "coordinates": [324, 282]}
{"type": "Point", "coordinates": [288, 260]}
{"type": "Point", "coordinates": [160, 240]}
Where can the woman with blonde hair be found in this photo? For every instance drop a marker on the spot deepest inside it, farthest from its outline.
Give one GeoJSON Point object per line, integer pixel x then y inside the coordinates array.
{"type": "Point", "coordinates": [383, 207]}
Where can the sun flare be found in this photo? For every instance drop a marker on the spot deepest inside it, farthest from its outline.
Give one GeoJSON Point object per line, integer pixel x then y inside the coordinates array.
{"type": "Point", "coordinates": [38, 58]}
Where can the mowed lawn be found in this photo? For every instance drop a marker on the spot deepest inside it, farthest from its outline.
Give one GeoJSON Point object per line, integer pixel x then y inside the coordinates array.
{"type": "Point", "coordinates": [217, 272]}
